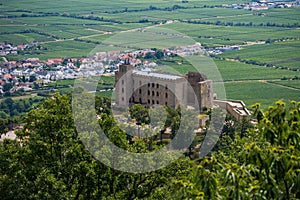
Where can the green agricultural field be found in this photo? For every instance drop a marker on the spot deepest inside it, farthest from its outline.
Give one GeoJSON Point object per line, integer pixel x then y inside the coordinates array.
{"type": "Point", "coordinates": [69, 31]}
{"type": "Point", "coordinates": [86, 7]}
{"type": "Point", "coordinates": [234, 71]}
{"type": "Point", "coordinates": [53, 20]}
{"type": "Point", "coordinates": [252, 92]}
{"type": "Point", "coordinates": [108, 80]}
{"type": "Point", "coordinates": [216, 42]}
{"type": "Point", "coordinates": [176, 65]}
{"type": "Point", "coordinates": [112, 27]}
{"type": "Point", "coordinates": [288, 83]}
{"type": "Point", "coordinates": [10, 29]}
{"type": "Point", "coordinates": [24, 38]}
{"type": "Point", "coordinates": [68, 48]}
{"type": "Point", "coordinates": [273, 16]}
{"type": "Point", "coordinates": [230, 70]}
{"type": "Point", "coordinates": [105, 93]}
{"type": "Point", "coordinates": [61, 83]}
{"type": "Point", "coordinates": [124, 12]}
{"type": "Point", "coordinates": [65, 90]}
{"type": "Point", "coordinates": [7, 22]}
{"type": "Point", "coordinates": [285, 54]}
{"type": "Point", "coordinates": [59, 49]}
{"type": "Point", "coordinates": [181, 14]}
{"type": "Point", "coordinates": [98, 38]}
{"type": "Point", "coordinates": [106, 48]}
{"type": "Point", "coordinates": [66, 86]}
{"type": "Point", "coordinates": [206, 34]}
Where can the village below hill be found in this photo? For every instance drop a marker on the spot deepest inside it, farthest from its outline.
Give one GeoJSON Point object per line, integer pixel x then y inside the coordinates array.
{"type": "Point", "coordinates": [33, 73]}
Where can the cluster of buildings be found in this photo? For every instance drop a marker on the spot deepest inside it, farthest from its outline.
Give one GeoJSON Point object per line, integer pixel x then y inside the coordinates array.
{"type": "Point", "coordinates": [150, 88]}
{"type": "Point", "coordinates": [23, 74]}
{"type": "Point", "coordinates": [9, 49]}
{"type": "Point", "coordinates": [135, 56]}
{"type": "Point", "coordinates": [220, 50]}
{"type": "Point", "coordinates": [263, 5]}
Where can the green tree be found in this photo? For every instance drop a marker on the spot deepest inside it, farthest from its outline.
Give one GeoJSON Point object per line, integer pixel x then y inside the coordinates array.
{"type": "Point", "coordinates": [263, 164]}
{"type": "Point", "coordinates": [159, 54]}
{"type": "Point", "coordinates": [173, 119]}
{"type": "Point", "coordinates": [3, 115]}
{"type": "Point", "coordinates": [49, 160]}
{"type": "Point", "coordinates": [8, 103]}
{"type": "Point", "coordinates": [268, 41]}
{"type": "Point", "coordinates": [7, 87]}
{"type": "Point", "coordinates": [23, 79]}
{"type": "Point", "coordinates": [32, 78]}
{"type": "Point", "coordinates": [139, 113]}
{"type": "Point", "coordinates": [3, 126]}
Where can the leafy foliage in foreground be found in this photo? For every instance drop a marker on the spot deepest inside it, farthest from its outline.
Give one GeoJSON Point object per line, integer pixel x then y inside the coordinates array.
{"type": "Point", "coordinates": [50, 162]}
{"type": "Point", "coordinates": [264, 164]}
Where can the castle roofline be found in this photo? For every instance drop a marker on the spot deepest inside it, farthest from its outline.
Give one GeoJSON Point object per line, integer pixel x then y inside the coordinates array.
{"type": "Point", "coordinates": [157, 75]}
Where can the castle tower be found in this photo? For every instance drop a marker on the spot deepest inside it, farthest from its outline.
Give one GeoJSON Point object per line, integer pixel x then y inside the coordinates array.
{"type": "Point", "coordinates": [124, 84]}
{"type": "Point", "coordinates": [202, 93]}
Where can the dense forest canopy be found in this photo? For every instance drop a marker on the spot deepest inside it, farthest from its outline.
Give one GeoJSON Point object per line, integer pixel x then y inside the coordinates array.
{"type": "Point", "coordinates": [49, 161]}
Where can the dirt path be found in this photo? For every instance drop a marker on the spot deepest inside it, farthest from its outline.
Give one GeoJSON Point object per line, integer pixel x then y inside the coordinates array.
{"type": "Point", "coordinates": [266, 82]}
{"type": "Point", "coordinates": [95, 30]}
{"type": "Point", "coordinates": [279, 85]}
{"type": "Point", "coordinates": [81, 37]}
{"type": "Point", "coordinates": [251, 80]}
